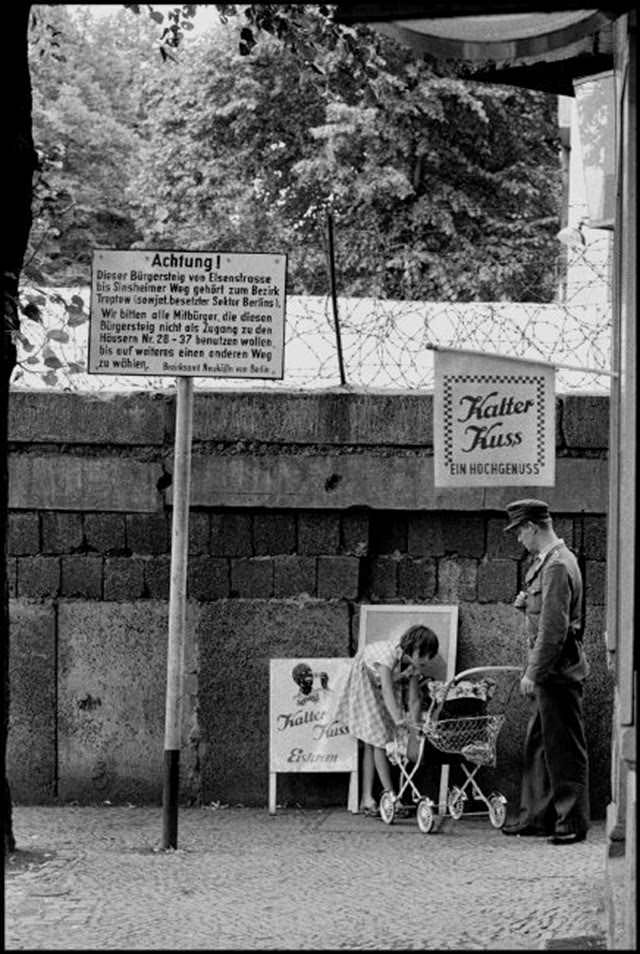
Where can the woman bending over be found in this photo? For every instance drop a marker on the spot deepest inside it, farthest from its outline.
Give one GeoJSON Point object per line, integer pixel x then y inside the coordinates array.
{"type": "Point", "coordinates": [371, 701]}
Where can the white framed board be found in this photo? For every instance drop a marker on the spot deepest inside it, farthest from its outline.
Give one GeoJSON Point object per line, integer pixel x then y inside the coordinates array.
{"type": "Point", "coordinates": [303, 735]}
{"type": "Point", "coordinates": [381, 621]}
{"type": "Point", "coordinates": [187, 313]}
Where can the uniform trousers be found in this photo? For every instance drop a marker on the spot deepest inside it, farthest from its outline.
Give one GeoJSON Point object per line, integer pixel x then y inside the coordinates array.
{"type": "Point", "coordinates": [555, 781]}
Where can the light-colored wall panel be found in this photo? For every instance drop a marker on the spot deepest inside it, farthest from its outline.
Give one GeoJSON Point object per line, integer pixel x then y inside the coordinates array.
{"type": "Point", "coordinates": [69, 482]}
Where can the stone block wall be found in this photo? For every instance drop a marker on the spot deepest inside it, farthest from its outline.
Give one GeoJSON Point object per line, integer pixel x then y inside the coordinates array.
{"type": "Point", "coordinates": [303, 507]}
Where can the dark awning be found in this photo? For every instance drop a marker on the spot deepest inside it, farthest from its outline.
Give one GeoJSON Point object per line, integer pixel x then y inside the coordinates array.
{"type": "Point", "coordinates": [538, 47]}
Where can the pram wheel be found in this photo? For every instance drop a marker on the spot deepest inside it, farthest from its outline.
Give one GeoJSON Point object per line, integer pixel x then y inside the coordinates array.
{"type": "Point", "coordinates": [425, 816]}
{"type": "Point", "coordinates": [497, 810]}
{"type": "Point", "coordinates": [387, 807]}
{"type": "Point", "coordinates": [455, 803]}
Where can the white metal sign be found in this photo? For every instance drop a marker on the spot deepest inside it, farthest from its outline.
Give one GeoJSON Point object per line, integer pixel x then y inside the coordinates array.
{"type": "Point", "coordinates": [197, 314]}
{"type": "Point", "coordinates": [304, 735]}
{"type": "Point", "coordinates": [493, 421]}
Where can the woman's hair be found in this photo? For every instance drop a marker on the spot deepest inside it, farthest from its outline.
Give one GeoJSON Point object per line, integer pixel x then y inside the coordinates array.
{"type": "Point", "coordinates": [421, 638]}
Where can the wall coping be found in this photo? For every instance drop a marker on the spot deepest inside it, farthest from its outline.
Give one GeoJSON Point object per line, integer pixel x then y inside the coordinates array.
{"type": "Point", "coordinates": [331, 417]}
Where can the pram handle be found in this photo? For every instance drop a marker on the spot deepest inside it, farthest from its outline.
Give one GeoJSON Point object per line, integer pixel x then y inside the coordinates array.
{"type": "Point", "coordinates": [477, 669]}
{"type": "Point", "coordinates": [434, 708]}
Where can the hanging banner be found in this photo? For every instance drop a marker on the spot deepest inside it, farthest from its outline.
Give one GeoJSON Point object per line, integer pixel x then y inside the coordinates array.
{"type": "Point", "coordinates": [493, 421]}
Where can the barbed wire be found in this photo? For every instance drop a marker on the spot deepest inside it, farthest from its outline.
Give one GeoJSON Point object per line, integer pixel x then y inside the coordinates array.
{"type": "Point", "coordinates": [386, 344]}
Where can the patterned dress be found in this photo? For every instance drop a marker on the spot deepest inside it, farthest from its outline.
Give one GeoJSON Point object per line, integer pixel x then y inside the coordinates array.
{"type": "Point", "coordinates": [361, 705]}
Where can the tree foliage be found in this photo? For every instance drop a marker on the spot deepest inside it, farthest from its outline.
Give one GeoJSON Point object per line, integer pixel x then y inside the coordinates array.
{"type": "Point", "coordinates": [85, 113]}
{"type": "Point", "coordinates": [246, 136]}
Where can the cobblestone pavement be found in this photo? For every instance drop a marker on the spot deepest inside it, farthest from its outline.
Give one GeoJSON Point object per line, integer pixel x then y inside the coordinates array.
{"type": "Point", "coordinates": [95, 878]}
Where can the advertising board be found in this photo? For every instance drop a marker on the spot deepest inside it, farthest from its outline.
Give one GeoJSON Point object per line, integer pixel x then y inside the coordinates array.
{"type": "Point", "coordinates": [303, 734]}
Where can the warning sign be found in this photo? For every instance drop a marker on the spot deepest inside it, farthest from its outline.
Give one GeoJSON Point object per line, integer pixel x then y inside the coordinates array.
{"type": "Point", "coordinates": [198, 314]}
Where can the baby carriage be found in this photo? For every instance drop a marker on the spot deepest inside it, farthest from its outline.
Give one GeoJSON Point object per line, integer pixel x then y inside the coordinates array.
{"type": "Point", "coordinates": [459, 725]}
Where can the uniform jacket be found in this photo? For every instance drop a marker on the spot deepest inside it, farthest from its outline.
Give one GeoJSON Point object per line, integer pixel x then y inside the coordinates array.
{"type": "Point", "coordinates": [553, 618]}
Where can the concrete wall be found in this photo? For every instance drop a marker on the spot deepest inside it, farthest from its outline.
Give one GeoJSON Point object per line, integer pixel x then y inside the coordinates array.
{"type": "Point", "coordinates": [304, 506]}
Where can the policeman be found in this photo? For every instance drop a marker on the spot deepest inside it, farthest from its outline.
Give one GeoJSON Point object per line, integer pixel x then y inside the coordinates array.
{"type": "Point", "coordinates": [554, 798]}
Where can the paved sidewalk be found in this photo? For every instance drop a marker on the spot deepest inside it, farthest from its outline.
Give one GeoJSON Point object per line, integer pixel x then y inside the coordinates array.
{"type": "Point", "coordinates": [94, 878]}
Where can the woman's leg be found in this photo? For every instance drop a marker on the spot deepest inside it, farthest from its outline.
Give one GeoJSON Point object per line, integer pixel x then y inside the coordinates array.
{"type": "Point", "coordinates": [367, 798]}
{"type": "Point", "coordinates": [383, 768]}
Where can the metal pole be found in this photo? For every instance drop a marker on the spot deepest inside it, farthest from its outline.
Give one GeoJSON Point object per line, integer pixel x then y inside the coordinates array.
{"type": "Point", "coordinates": [177, 610]}
{"type": "Point", "coordinates": [334, 297]}
{"type": "Point", "coordinates": [513, 357]}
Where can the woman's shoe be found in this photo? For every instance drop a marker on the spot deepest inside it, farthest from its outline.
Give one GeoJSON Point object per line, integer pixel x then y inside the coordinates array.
{"type": "Point", "coordinates": [370, 810]}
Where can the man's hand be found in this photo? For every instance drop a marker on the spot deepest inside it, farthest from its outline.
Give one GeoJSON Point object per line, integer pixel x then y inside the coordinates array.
{"type": "Point", "coordinates": [520, 601]}
{"type": "Point", "coordinates": [527, 686]}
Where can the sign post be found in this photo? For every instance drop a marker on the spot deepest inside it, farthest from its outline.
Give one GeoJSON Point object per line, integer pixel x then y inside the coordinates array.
{"type": "Point", "coordinates": [177, 612]}
{"type": "Point", "coordinates": [185, 314]}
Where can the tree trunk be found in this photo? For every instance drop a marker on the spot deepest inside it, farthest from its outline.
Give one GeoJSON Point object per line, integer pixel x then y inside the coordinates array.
{"type": "Point", "coordinates": [19, 163]}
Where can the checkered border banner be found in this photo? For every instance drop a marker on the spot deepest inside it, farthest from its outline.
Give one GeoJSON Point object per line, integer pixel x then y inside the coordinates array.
{"type": "Point", "coordinates": [450, 379]}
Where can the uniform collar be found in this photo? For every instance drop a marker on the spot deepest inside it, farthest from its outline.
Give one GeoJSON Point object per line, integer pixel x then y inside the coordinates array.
{"type": "Point", "coordinates": [537, 564]}
{"type": "Point", "coordinates": [542, 556]}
